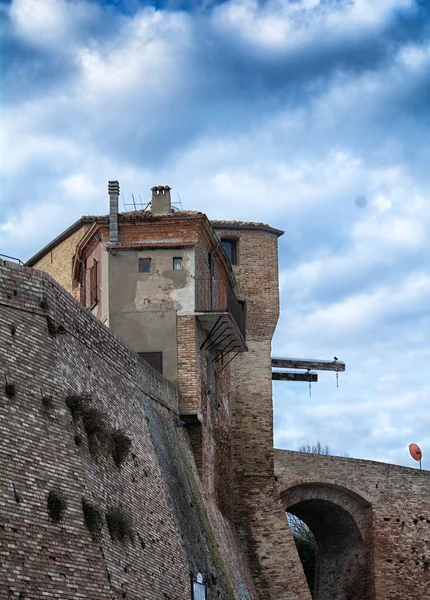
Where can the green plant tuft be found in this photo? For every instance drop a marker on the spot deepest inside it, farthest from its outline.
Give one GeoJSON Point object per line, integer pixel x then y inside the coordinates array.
{"type": "Point", "coordinates": [97, 430]}
{"type": "Point", "coordinates": [10, 389]}
{"type": "Point", "coordinates": [47, 402]}
{"type": "Point", "coordinates": [120, 446]}
{"type": "Point", "coordinates": [56, 505]}
{"type": "Point", "coordinates": [93, 519]}
{"type": "Point", "coordinates": [77, 403]}
{"type": "Point", "coordinates": [119, 525]}
{"type": "Point", "coordinates": [52, 326]}
{"type": "Point", "coordinates": [44, 305]}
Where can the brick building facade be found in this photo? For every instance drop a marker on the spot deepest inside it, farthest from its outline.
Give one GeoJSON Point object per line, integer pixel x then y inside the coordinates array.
{"type": "Point", "coordinates": [195, 484]}
{"type": "Point", "coordinates": [100, 498]}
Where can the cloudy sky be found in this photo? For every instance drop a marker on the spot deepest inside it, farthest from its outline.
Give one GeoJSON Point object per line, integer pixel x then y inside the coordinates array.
{"type": "Point", "coordinates": [312, 116]}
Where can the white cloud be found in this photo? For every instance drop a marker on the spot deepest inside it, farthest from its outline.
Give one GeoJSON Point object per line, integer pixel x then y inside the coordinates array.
{"type": "Point", "coordinates": [278, 25]}
{"type": "Point", "coordinates": [48, 23]}
{"type": "Point", "coordinates": [282, 112]}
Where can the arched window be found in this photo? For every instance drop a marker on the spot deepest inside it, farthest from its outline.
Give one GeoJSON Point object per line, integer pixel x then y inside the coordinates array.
{"type": "Point", "coordinates": [230, 247]}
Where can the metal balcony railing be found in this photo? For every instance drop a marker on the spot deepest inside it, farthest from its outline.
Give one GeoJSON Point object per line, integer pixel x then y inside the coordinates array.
{"type": "Point", "coordinates": [218, 296]}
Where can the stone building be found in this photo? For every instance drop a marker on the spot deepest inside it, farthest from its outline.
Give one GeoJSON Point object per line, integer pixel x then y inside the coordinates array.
{"type": "Point", "coordinates": [199, 301]}
{"type": "Point", "coordinates": [154, 327]}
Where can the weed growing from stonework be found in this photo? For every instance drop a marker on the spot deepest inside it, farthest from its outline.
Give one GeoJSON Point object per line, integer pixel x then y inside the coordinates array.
{"type": "Point", "coordinates": [52, 326]}
{"type": "Point", "coordinates": [119, 525]}
{"type": "Point", "coordinates": [120, 446]}
{"type": "Point", "coordinates": [9, 388]}
{"type": "Point", "coordinates": [44, 305]}
{"type": "Point", "coordinates": [56, 505]}
{"type": "Point", "coordinates": [93, 519]}
{"type": "Point", "coordinates": [48, 402]}
{"type": "Point", "coordinates": [77, 403]}
{"type": "Point", "coordinates": [97, 430]}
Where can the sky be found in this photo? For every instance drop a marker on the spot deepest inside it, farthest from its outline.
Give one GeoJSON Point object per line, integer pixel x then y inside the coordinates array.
{"type": "Point", "coordinates": [312, 116]}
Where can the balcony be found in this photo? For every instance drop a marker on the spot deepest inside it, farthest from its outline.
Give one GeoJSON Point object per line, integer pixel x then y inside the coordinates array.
{"type": "Point", "coordinates": [221, 315]}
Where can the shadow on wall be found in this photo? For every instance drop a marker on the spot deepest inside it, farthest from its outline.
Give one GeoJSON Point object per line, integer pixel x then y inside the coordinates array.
{"type": "Point", "coordinates": [187, 503]}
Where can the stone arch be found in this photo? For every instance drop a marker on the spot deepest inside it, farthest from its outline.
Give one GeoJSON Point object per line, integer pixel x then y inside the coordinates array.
{"type": "Point", "coordinates": [341, 521]}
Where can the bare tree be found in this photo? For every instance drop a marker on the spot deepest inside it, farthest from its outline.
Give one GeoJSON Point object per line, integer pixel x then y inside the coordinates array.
{"type": "Point", "coordinates": [317, 448]}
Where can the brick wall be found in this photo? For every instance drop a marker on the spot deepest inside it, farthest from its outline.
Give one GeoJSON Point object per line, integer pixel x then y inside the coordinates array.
{"type": "Point", "coordinates": [398, 543]}
{"type": "Point", "coordinates": [259, 515]}
{"type": "Point", "coordinates": [43, 449]}
{"type": "Point", "coordinates": [58, 261]}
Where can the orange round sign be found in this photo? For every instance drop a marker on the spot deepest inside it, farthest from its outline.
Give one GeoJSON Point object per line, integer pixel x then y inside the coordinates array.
{"type": "Point", "coordinates": [415, 451]}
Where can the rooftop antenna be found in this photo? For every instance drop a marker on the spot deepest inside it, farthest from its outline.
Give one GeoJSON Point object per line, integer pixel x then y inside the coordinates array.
{"type": "Point", "coordinates": [123, 201]}
{"type": "Point", "coordinates": [134, 203]}
{"type": "Point", "coordinates": [416, 453]}
{"type": "Point", "coordinates": [178, 202]}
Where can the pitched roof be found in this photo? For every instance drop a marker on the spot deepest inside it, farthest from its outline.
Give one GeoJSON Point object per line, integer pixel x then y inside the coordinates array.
{"type": "Point", "coordinates": [249, 225]}
{"type": "Point", "coordinates": [147, 215]}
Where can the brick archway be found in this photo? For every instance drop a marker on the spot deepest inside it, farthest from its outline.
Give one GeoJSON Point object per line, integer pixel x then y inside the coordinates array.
{"type": "Point", "coordinates": [341, 521]}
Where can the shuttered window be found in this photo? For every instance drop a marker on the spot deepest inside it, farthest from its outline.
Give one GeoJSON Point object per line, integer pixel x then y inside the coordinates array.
{"type": "Point", "coordinates": [94, 284]}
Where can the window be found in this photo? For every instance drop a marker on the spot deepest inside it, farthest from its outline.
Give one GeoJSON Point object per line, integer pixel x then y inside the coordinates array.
{"type": "Point", "coordinates": [230, 247]}
{"type": "Point", "coordinates": [144, 265]}
{"type": "Point", "coordinates": [155, 359]}
{"type": "Point", "coordinates": [93, 284]}
{"type": "Point", "coordinates": [177, 263]}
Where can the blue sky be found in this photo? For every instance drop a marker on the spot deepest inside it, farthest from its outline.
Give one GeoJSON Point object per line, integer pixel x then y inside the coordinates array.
{"type": "Point", "coordinates": [313, 116]}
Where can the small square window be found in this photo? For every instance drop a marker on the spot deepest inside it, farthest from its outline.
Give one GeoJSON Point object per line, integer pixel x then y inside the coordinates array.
{"type": "Point", "coordinates": [177, 263]}
{"type": "Point", "coordinates": [144, 265]}
{"type": "Point", "coordinates": [155, 359]}
{"type": "Point", "coordinates": [230, 247]}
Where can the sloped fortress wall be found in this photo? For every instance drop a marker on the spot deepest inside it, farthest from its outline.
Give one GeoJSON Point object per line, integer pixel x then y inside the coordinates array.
{"type": "Point", "coordinates": [99, 495]}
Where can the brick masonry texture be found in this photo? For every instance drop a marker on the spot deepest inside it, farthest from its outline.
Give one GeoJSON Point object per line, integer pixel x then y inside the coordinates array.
{"type": "Point", "coordinates": [396, 530]}
{"type": "Point", "coordinates": [58, 261]}
{"type": "Point", "coordinates": [210, 496]}
{"type": "Point", "coordinates": [170, 526]}
{"type": "Point", "coordinates": [259, 514]}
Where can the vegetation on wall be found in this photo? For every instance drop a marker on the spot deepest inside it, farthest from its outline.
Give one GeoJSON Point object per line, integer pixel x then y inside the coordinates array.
{"type": "Point", "coordinates": [9, 389]}
{"type": "Point", "coordinates": [101, 438]}
{"type": "Point", "coordinates": [120, 446]}
{"type": "Point", "coordinates": [306, 548]}
{"type": "Point", "coordinates": [119, 525]}
{"type": "Point", "coordinates": [93, 518]}
{"type": "Point", "coordinates": [56, 505]}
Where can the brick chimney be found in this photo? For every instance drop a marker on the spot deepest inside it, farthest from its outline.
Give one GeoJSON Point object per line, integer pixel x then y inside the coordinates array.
{"type": "Point", "coordinates": [161, 204]}
{"type": "Point", "coordinates": [113, 190]}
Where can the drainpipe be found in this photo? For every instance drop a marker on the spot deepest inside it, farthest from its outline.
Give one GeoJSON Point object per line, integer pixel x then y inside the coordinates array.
{"type": "Point", "coordinates": [113, 190]}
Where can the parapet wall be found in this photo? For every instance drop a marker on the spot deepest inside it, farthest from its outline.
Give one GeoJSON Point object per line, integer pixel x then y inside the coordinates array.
{"type": "Point", "coordinates": [82, 514]}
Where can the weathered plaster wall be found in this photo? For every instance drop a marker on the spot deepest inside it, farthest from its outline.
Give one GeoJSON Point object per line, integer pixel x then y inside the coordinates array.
{"type": "Point", "coordinates": [173, 527]}
{"type": "Point", "coordinates": [143, 306]}
{"type": "Point", "coordinates": [391, 509]}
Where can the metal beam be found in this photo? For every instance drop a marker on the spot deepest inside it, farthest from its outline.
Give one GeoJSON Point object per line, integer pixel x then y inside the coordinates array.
{"type": "Point", "coordinates": [290, 376]}
{"type": "Point", "coordinates": [308, 363]}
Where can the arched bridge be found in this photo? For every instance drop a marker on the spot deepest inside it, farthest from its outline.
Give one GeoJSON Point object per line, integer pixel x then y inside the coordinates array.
{"type": "Point", "coordinates": [371, 522]}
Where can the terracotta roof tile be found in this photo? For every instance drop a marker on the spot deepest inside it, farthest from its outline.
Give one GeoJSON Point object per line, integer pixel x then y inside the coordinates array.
{"type": "Point", "coordinates": [137, 245]}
